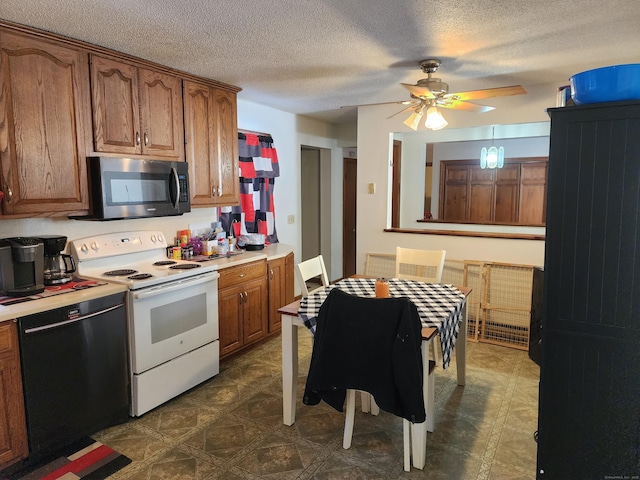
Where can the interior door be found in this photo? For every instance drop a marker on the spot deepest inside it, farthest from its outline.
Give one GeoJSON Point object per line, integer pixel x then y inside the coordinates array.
{"type": "Point", "coordinates": [395, 184]}
{"type": "Point", "coordinates": [349, 180]}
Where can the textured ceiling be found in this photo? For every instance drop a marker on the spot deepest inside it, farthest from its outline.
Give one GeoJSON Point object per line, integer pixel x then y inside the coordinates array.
{"type": "Point", "coordinates": [311, 57]}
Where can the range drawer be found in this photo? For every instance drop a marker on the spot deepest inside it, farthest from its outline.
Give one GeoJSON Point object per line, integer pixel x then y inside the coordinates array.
{"type": "Point", "coordinates": [242, 273]}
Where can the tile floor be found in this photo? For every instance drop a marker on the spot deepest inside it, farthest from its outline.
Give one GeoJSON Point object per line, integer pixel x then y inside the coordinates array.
{"type": "Point", "coordinates": [231, 427]}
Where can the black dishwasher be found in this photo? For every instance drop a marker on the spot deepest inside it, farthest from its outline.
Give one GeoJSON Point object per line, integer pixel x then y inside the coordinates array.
{"type": "Point", "coordinates": [74, 371]}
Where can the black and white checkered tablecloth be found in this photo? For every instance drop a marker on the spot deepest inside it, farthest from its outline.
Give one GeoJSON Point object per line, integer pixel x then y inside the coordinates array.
{"type": "Point", "coordinates": [438, 305]}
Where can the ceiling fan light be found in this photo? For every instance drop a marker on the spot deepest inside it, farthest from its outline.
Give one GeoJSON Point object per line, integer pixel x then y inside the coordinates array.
{"type": "Point", "coordinates": [435, 120]}
{"type": "Point", "coordinates": [414, 120]}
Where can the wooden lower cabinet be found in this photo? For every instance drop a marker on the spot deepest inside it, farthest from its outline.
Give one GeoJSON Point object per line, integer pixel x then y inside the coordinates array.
{"type": "Point", "coordinates": [242, 306]}
{"type": "Point", "coordinates": [280, 277]}
{"type": "Point", "coordinates": [13, 429]}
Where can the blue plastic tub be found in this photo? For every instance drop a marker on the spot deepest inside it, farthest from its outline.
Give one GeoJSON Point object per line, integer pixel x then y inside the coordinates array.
{"type": "Point", "coordinates": [607, 84]}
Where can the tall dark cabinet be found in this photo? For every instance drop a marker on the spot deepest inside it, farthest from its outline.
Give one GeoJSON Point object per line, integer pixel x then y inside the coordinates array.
{"type": "Point", "coordinates": [589, 410]}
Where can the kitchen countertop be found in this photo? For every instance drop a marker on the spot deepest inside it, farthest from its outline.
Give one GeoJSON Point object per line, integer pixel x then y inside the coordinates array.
{"type": "Point", "coordinates": [270, 252]}
{"type": "Point", "coordinates": [9, 312]}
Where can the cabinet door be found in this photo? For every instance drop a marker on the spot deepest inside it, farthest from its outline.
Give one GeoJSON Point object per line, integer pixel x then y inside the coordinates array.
{"type": "Point", "coordinates": [480, 195]}
{"type": "Point", "coordinates": [507, 189]}
{"type": "Point", "coordinates": [589, 409]}
{"type": "Point", "coordinates": [277, 289]}
{"type": "Point", "coordinates": [533, 192]}
{"type": "Point", "coordinates": [13, 430]}
{"type": "Point", "coordinates": [200, 143]}
{"type": "Point", "coordinates": [254, 311]}
{"type": "Point", "coordinates": [229, 319]}
{"type": "Point", "coordinates": [289, 280]}
{"type": "Point", "coordinates": [454, 204]}
{"type": "Point", "coordinates": [116, 114]}
{"type": "Point", "coordinates": [226, 148]}
{"type": "Point", "coordinates": [44, 126]}
{"type": "Point", "coordinates": [161, 115]}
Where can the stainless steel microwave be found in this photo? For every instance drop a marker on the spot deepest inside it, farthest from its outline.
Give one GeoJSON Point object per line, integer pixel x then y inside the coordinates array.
{"type": "Point", "coordinates": [137, 188]}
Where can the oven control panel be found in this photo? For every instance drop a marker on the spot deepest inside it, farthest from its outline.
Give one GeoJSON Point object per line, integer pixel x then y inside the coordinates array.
{"type": "Point", "coordinates": [117, 244]}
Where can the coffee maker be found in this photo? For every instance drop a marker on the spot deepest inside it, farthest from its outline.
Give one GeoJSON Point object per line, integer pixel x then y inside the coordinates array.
{"type": "Point", "coordinates": [57, 266]}
{"type": "Point", "coordinates": [21, 266]}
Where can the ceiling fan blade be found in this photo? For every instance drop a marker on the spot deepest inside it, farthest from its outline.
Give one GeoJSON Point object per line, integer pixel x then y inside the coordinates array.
{"type": "Point", "coordinates": [465, 106]}
{"type": "Point", "coordinates": [487, 93]}
{"type": "Point", "coordinates": [400, 102]}
{"type": "Point", "coordinates": [413, 105]}
{"type": "Point", "coordinates": [418, 91]}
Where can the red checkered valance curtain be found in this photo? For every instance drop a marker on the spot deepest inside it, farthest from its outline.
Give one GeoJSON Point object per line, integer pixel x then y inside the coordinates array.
{"type": "Point", "coordinates": [259, 167]}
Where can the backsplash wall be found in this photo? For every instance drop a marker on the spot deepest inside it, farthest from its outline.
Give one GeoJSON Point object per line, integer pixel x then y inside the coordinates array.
{"type": "Point", "coordinates": [75, 229]}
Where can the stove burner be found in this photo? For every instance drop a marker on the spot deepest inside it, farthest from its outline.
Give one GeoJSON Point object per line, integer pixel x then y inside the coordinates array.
{"type": "Point", "coordinates": [120, 273]}
{"type": "Point", "coordinates": [185, 266]}
{"type": "Point", "coordinates": [164, 262]}
{"type": "Point", "coordinates": [140, 276]}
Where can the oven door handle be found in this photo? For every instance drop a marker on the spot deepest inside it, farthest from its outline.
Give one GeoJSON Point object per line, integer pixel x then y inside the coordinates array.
{"type": "Point", "coordinates": [171, 287]}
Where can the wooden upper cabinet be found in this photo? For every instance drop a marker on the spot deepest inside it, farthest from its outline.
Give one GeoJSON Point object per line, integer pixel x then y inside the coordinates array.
{"type": "Point", "coordinates": [44, 126]}
{"type": "Point", "coordinates": [226, 132]}
{"type": "Point", "coordinates": [533, 193]}
{"type": "Point", "coordinates": [211, 145]}
{"type": "Point", "coordinates": [507, 194]}
{"type": "Point", "coordinates": [514, 194]}
{"type": "Point", "coordinates": [136, 111]}
{"type": "Point", "coordinates": [454, 201]}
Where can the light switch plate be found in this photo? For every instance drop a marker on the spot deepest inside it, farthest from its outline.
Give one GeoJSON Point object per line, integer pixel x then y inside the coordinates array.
{"type": "Point", "coordinates": [291, 219]}
{"type": "Point", "coordinates": [372, 188]}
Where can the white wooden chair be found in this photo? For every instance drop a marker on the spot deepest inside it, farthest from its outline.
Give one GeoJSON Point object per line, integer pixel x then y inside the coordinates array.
{"type": "Point", "coordinates": [339, 320]}
{"type": "Point", "coordinates": [312, 269]}
{"type": "Point", "coordinates": [423, 266]}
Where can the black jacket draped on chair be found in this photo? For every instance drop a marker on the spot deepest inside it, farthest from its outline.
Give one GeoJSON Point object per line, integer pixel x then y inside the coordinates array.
{"type": "Point", "coordinates": [369, 344]}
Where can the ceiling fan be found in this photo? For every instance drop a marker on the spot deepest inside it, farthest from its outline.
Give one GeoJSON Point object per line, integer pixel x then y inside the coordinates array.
{"type": "Point", "coordinates": [429, 93]}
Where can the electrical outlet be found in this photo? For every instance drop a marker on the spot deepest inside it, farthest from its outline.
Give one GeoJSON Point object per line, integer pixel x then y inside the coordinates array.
{"type": "Point", "coordinates": [291, 219]}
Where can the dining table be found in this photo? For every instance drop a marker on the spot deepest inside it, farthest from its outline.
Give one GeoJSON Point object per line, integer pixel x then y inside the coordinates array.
{"type": "Point", "coordinates": [442, 309]}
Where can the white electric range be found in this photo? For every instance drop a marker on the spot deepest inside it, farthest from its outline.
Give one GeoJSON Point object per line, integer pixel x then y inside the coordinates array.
{"type": "Point", "coordinates": [172, 311]}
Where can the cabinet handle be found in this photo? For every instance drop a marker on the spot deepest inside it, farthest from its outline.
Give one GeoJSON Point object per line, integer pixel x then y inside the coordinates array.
{"type": "Point", "coordinates": [146, 139]}
{"type": "Point", "coordinates": [219, 191]}
{"type": "Point", "coordinates": [137, 138]}
{"type": "Point", "coordinates": [9, 194]}
{"type": "Point", "coordinates": [271, 273]}
{"type": "Point", "coordinates": [242, 275]}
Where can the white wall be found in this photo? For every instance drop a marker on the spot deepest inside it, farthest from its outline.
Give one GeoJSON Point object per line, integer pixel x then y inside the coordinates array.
{"type": "Point", "coordinates": [289, 132]}
{"type": "Point", "coordinates": [375, 135]}
{"type": "Point", "coordinates": [413, 165]}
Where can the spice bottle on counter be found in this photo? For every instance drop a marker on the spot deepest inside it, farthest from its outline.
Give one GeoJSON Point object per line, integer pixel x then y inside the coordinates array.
{"type": "Point", "coordinates": [184, 237]}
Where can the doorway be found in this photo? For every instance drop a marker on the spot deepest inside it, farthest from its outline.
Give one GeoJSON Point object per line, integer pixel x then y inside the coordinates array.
{"type": "Point", "coordinates": [395, 184]}
{"type": "Point", "coordinates": [315, 188]}
{"type": "Point", "coordinates": [349, 197]}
